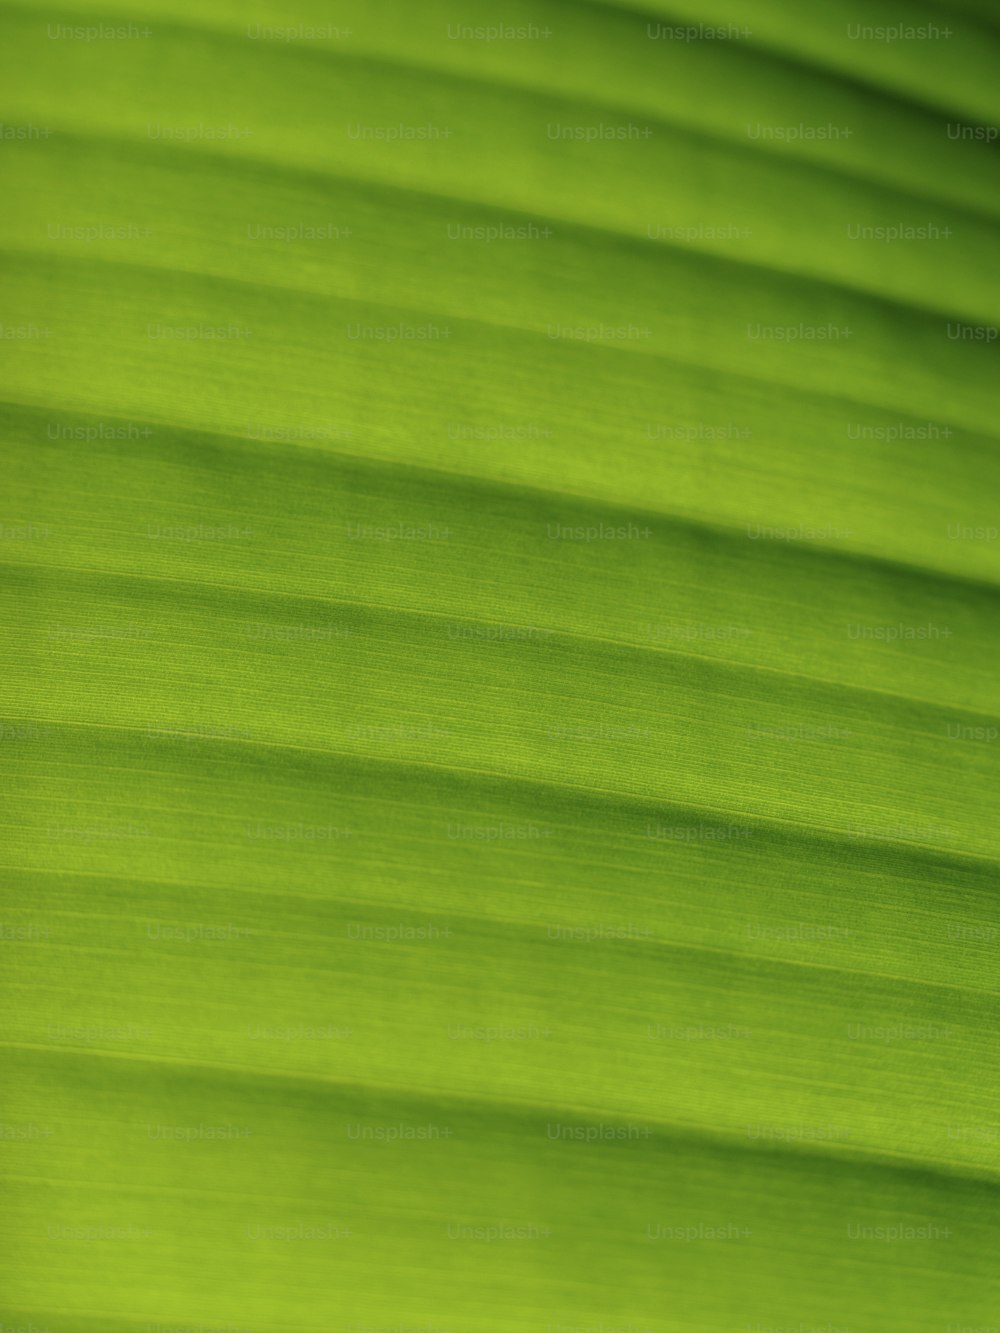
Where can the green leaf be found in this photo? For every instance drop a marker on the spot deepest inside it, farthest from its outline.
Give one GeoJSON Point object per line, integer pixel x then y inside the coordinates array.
{"type": "Point", "coordinates": [500, 717]}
